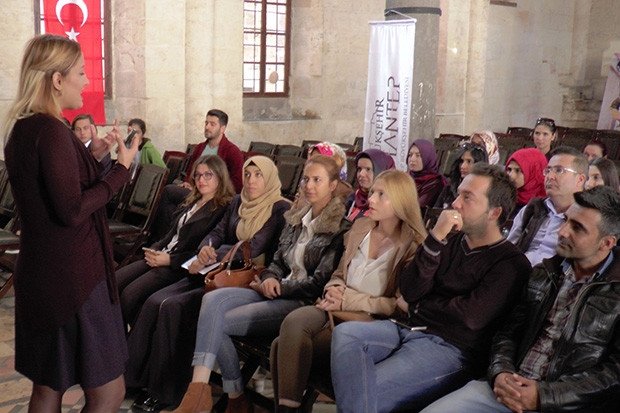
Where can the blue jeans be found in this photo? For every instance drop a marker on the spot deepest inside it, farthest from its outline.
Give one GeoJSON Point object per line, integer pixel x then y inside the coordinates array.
{"type": "Point", "coordinates": [380, 367]}
{"type": "Point", "coordinates": [477, 396]}
{"type": "Point", "coordinates": [235, 312]}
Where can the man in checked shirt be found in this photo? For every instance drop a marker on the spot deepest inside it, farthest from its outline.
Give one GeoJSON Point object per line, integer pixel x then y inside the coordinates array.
{"type": "Point", "coordinates": [560, 349]}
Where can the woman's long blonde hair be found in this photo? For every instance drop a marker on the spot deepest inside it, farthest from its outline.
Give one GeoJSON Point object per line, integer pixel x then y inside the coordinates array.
{"type": "Point", "coordinates": [45, 55]}
{"type": "Point", "coordinates": [403, 195]}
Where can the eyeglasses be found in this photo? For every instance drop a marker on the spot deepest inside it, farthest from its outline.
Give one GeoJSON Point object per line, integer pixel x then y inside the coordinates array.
{"type": "Point", "coordinates": [558, 170]}
{"type": "Point", "coordinates": [545, 121]}
{"type": "Point", "coordinates": [207, 176]}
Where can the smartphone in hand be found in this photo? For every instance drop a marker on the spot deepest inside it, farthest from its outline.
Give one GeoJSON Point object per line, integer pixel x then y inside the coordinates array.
{"type": "Point", "coordinates": [129, 138]}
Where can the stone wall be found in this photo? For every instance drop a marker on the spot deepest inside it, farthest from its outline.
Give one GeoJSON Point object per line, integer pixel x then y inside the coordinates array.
{"type": "Point", "coordinates": [497, 66]}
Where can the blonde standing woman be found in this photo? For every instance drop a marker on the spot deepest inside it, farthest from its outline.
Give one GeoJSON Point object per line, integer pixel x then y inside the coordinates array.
{"type": "Point", "coordinates": [68, 324]}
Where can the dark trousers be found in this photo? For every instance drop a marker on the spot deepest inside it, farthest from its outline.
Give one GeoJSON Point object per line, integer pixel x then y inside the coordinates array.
{"type": "Point", "coordinates": [161, 342]}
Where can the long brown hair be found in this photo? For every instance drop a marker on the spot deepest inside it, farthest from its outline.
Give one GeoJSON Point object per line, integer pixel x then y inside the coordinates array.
{"type": "Point", "coordinates": [225, 190]}
{"type": "Point", "coordinates": [45, 55]}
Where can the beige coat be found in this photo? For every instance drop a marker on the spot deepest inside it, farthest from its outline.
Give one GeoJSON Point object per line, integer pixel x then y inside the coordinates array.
{"type": "Point", "coordinates": [357, 301]}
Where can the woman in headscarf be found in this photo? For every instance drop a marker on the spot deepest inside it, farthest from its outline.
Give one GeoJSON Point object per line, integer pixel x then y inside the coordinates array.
{"type": "Point", "coordinates": [164, 330]}
{"type": "Point", "coordinates": [525, 169]}
{"type": "Point", "coordinates": [424, 169]}
{"type": "Point", "coordinates": [310, 248]}
{"type": "Point", "coordinates": [488, 141]}
{"type": "Point", "coordinates": [368, 164]}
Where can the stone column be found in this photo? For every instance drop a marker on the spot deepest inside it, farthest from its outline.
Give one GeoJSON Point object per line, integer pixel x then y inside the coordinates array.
{"type": "Point", "coordinates": [426, 12]}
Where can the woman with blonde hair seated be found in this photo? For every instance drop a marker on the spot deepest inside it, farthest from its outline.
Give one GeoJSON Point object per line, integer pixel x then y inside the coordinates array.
{"type": "Point", "coordinates": [363, 286]}
{"type": "Point", "coordinates": [310, 248]}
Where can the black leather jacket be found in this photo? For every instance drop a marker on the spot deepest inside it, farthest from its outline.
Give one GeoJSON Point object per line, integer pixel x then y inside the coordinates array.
{"type": "Point", "coordinates": [584, 373]}
{"type": "Point", "coordinates": [321, 256]}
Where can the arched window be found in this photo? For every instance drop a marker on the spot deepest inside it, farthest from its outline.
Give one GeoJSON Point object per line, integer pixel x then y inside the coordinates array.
{"type": "Point", "coordinates": [266, 38]}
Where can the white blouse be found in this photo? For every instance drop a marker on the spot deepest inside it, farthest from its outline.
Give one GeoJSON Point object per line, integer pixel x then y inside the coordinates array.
{"type": "Point", "coordinates": [367, 275]}
{"type": "Point", "coordinates": [295, 259]}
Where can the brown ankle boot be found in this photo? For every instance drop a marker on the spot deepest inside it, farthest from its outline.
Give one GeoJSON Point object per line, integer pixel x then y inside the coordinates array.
{"type": "Point", "coordinates": [239, 405]}
{"type": "Point", "coordinates": [197, 399]}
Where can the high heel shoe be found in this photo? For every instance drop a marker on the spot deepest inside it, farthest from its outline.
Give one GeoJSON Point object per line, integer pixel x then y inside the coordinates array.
{"type": "Point", "coordinates": [197, 399]}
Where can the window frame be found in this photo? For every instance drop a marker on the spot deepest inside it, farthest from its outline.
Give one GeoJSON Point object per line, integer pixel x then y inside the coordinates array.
{"type": "Point", "coordinates": [263, 51]}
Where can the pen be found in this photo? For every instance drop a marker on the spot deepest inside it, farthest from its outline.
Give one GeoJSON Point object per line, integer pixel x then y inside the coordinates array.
{"type": "Point", "coordinates": [410, 328]}
{"type": "Point", "coordinates": [210, 242]}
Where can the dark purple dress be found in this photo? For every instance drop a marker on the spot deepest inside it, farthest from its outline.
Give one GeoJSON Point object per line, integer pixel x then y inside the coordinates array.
{"type": "Point", "coordinates": [68, 326]}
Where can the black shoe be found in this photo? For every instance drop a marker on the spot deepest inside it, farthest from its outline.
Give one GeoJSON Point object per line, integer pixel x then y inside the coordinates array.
{"type": "Point", "coordinates": [147, 403]}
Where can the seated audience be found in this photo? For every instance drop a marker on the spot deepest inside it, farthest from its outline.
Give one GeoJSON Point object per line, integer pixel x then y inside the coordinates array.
{"type": "Point", "coordinates": [488, 141]}
{"type": "Point", "coordinates": [525, 168]}
{"type": "Point", "coordinates": [377, 248]}
{"type": "Point", "coordinates": [467, 156]}
{"type": "Point", "coordinates": [457, 291]}
{"type": "Point", "coordinates": [160, 342]}
{"type": "Point", "coordinates": [535, 228]}
{"type": "Point", "coordinates": [147, 154]}
{"type": "Point", "coordinates": [203, 209]}
{"type": "Point", "coordinates": [424, 169]}
{"type": "Point", "coordinates": [215, 143]}
{"type": "Point", "coordinates": [310, 248]}
{"type": "Point", "coordinates": [602, 171]}
{"type": "Point", "coordinates": [594, 149]}
{"type": "Point", "coordinates": [84, 127]}
{"type": "Point", "coordinates": [544, 134]}
{"type": "Point", "coordinates": [368, 164]}
{"type": "Point", "coordinates": [559, 349]}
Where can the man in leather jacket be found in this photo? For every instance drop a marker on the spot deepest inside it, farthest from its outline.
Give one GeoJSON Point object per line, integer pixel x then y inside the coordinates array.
{"type": "Point", "coordinates": [560, 349]}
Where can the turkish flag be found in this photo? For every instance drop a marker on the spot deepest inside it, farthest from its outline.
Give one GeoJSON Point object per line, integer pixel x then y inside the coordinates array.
{"type": "Point", "coordinates": [80, 20]}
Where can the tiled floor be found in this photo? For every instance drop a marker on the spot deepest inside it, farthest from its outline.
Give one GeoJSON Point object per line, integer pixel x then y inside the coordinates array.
{"type": "Point", "coordinates": [15, 389]}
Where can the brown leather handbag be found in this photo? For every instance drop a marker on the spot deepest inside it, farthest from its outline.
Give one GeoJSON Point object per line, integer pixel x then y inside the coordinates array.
{"type": "Point", "coordinates": [224, 276]}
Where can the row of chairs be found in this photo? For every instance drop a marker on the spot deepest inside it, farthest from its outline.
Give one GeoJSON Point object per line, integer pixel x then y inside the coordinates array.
{"type": "Point", "coordinates": [447, 144]}
{"type": "Point", "coordinates": [272, 149]}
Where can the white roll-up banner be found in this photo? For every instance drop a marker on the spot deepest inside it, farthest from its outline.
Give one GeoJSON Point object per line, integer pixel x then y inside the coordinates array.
{"type": "Point", "coordinates": [389, 90]}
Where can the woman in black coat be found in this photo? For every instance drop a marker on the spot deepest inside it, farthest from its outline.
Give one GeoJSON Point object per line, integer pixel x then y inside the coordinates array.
{"type": "Point", "coordinates": [204, 207]}
{"type": "Point", "coordinates": [161, 341]}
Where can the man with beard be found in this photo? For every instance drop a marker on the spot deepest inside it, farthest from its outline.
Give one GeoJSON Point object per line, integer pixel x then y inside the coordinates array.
{"type": "Point", "coordinates": [560, 349]}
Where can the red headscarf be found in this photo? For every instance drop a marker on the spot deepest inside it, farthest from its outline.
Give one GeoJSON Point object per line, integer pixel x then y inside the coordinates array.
{"type": "Point", "coordinates": [532, 162]}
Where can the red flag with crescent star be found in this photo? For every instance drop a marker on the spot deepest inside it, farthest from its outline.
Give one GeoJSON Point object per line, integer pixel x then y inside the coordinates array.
{"type": "Point", "coordinates": [80, 20]}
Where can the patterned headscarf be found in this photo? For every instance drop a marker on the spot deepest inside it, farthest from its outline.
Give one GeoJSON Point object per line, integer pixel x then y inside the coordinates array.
{"type": "Point", "coordinates": [331, 149]}
{"type": "Point", "coordinates": [490, 144]}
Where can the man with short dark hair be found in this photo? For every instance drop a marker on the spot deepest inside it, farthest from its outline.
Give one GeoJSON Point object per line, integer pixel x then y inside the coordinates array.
{"type": "Point", "coordinates": [81, 125]}
{"type": "Point", "coordinates": [216, 143]}
{"type": "Point", "coordinates": [457, 290]}
{"type": "Point", "coordinates": [559, 351]}
{"type": "Point", "coordinates": [534, 230]}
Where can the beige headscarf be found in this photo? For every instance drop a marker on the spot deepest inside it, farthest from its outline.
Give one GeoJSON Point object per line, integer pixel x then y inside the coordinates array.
{"type": "Point", "coordinates": [254, 213]}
